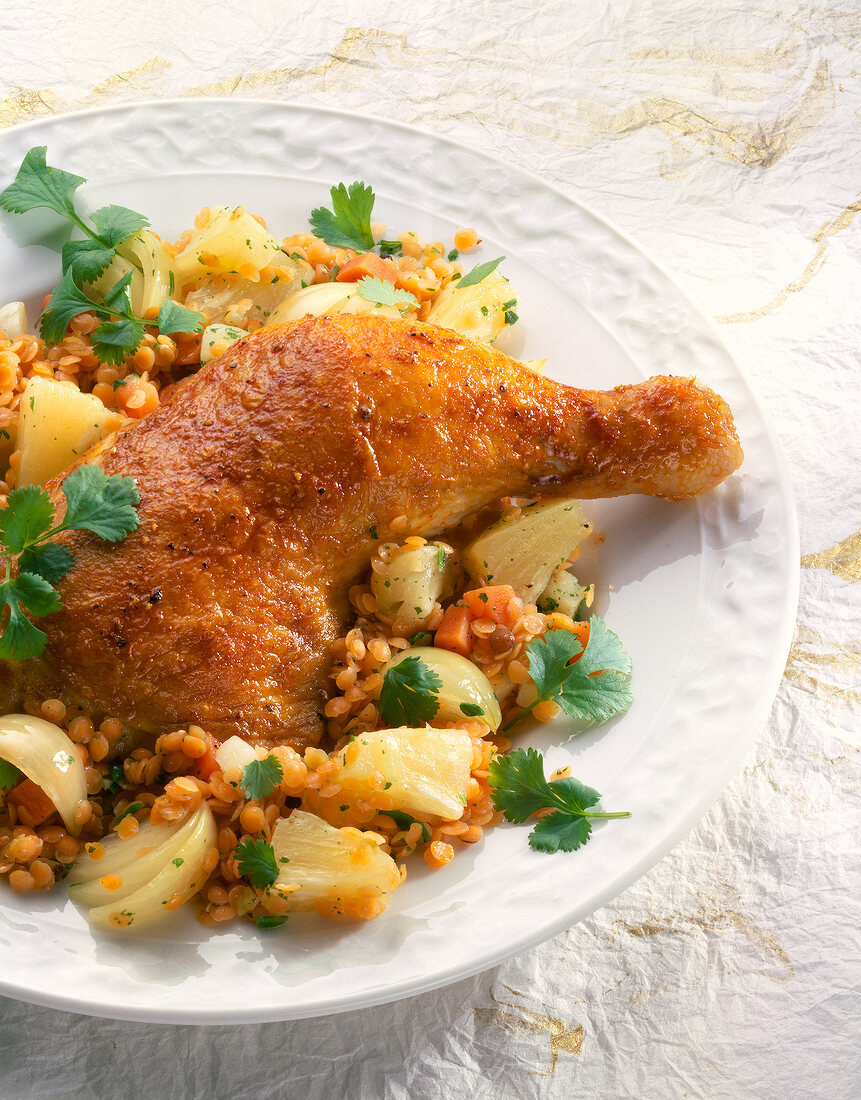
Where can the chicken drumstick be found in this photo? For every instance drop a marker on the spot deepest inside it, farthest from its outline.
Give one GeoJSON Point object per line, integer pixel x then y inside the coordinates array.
{"type": "Point", "coordinates": [265, 480]}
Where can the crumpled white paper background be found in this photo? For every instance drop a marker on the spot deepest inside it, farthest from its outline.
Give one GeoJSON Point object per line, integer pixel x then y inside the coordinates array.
{"type": "Point", "coordinates": [724, 137]}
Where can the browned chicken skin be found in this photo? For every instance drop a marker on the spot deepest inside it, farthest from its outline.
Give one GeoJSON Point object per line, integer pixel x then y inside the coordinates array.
{"type": "Point", "coordinates": [265, 478]}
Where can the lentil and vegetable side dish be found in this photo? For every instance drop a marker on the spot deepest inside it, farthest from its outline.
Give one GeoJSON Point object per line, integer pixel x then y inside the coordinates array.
{"type": "Point", "coordinates": [289, 552]}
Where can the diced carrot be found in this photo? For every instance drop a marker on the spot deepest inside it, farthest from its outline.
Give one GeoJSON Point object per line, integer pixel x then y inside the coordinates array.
{"type": "Point", "coordinates": [205, 765]}
{"type": "Point", "coordinates": [367, 264]}
{"type": "Point", "coordinates": [491, 602]}
{"type": "Point", "coordinates": [27, 796]}
{"type": "Point", "coordinates": [453, 632]}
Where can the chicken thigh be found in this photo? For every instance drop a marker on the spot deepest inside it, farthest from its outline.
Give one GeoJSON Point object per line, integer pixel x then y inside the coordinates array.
{"type": "Point", "coordinates": [266, 479]}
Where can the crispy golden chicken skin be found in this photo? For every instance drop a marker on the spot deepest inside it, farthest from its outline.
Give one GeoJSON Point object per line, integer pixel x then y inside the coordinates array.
{"type": "Point", "coordinates": [265, 478]}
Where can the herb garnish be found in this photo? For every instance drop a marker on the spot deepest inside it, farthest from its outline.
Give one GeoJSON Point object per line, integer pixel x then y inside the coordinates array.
{"type": "Point", "coordinates": [520, 789]}
{"type": "Point", "coordinates": [409, 695]}
{"type": "Point", "coordinates": [9, 775]}
{"type": "Point", "coordinates": [594, 687]}
{"type": "Point", "coordinates": [37, 185]}
{"type": "Point", "coordinates": [404, 821]}
{"type": "Point", "coordinates": [272, 921]}
{"type": "Point", "coordinates": [256, 861]}
{"type": "Point", "coordinates": [383, 293]}
{"type": "Point", "coordinates": [261, 777]}
{"type": "Point", "coordinates": [104, 504]}
{"type": "Point", "coordinates": [131, 809]}
{"type": "Point", "coordinates": [479, 272]}
{"type": "Point", "coordinates": [348, 223]}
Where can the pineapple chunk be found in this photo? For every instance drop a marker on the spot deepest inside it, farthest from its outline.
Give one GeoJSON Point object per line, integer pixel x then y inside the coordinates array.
{"type": "Point", "coordinates": [564, 594]}
{"type": "Point", "coordinates": [216, 339]}
{"type": "Point", "coordinates": [246, 301]}
{"type": "Point", "coordinates": [58, 423]}
{"type": "Point", "coordinates": [228, 241]}
{"type": "Point", "coordinates": [525, 550]}
{"type": "Point", "coordinates": [339, 872]}
{"type": "Point", "coordinates": [13, 320]}
{"type": "Point", "coordinates": [412, 581]}
{"type": "Point", "coordinates": [428, 769]}
{"type": "Point", "coordinates": [475, 311]}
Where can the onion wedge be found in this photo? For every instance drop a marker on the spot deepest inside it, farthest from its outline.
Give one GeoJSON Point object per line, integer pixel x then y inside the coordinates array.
{"type": "Point", "coordinates": [45, 754]}
{"type": "Point", "coordinates": [151, 886]}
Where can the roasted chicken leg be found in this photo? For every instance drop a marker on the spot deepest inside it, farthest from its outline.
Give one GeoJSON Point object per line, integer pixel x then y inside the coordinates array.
{"type": "Point", "coordinates": [266, 479]}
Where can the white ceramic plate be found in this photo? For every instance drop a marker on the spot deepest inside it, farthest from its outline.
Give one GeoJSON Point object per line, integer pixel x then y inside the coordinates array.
{"type": "Point", "coordinates": [703, 595]}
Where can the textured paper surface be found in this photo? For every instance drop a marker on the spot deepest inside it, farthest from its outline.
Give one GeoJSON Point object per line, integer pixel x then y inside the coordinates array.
{"type": "Point", "coordinates": [724, 137]}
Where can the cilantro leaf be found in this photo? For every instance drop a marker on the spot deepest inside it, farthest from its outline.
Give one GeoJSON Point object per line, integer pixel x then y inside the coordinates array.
{"type": "Point", "coordinates": [114, 340]}
{"type": "Point", "coordinates": [589, 684]}
{"type": "Point", "coordinates": [87, 260]}
{"type": "Point", "coordinates": [404, 821]}
{"type": "Point", "coordinates": [37, 595]}
{"type": "Point", "coordinates": [114, 224]}
{"type": "Point", "coordinates": [256, 861]}
{"type": "Point", "coordinates": [409, 693]}
{"type": "Point", "coordinates": [67, 301]}
{"type": "Point", "coordinates": [479, 272]}
{"type": "Point", "coordinates": [383, 293]}
{"type": "Point", "coordinates": [38, 185]}
{"type": "Point", "coordinates": [51, 561]}
{"type": "Point", "coordinates": [348, 223]}
{"type": "Point", "coordinates": [521, 789]}
{"type": "Point", "coordinates": [9, 775]}
{"type": "Point", "coordinates": [101, 503]}
{"type": "Point", "coordinates": [105, 505]}
{"type": "Point", "coordinates": [471, 710]}
{"type": "Point", "coordinates": [261, 777]}
{"type": "Point", "coordinates": [390, 248]}
{"type": "Point", "coordinates": [176, 318]}
{"type": "Point", "coordinates": [560, 832]}
{"type": "Point", "coordinates": [28, 516]}
{"type": "Point", "coordinates": [21, 639]}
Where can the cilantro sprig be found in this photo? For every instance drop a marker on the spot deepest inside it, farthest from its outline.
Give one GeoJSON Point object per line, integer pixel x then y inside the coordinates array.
{"type": "Point", "coordinates": [103, 504]}
{"type": "Point", "coordinates": [410, 693]}
{"type": "Point", "coordinates": [594, 688]}
{"type": "Point", "coordinates": [520, 789]}
{"type": "Point", "coordinates": [261, 777]}
{"type": "Point", "coordinates": [256, 862]}
{"type": "Point", "coordinates": [38, 185]}
{"type": "Point", "coordinates": [348, 223]}
{"type": "Point", "coordinates": [380, 292]}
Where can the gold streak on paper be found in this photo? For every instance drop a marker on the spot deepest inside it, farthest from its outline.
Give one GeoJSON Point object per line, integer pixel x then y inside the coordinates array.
{"type": "Point", "coordinates": [747, 143]}
{"type": "Point", "coordinates": [23, 105]}
{"type": "Point", "coordinates": [711, 917]}
{"type": "Point", "coordinates": [126, 81]}
{"type": "Point", "coordinates": [563, 1037]}
{"type": "Point", "coordinates": [355, 49]}
{"type": "Point", "coordinates": [843, 559]}
{"type": "Point", "coordinates": [754, 60]}
{"type": "Point", "coordinates": [820, 239]}
{"type": "Point", "coordinates": [845, 661]}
